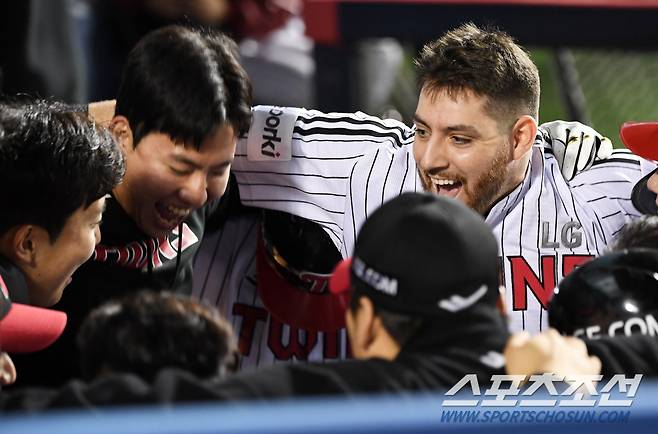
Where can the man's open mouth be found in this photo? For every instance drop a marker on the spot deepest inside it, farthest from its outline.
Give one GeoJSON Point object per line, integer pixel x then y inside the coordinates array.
{"type": "Point", "coordinates": [171, 215]}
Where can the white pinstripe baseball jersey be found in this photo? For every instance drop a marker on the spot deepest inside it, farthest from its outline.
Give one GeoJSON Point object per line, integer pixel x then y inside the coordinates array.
{"type": "Point", "coordinates": [225, 276]}
{"type": "Point", "coordinates": [337, 168]}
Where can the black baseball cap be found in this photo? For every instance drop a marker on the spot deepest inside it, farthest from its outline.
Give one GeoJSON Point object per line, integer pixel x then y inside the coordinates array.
{"type": "Point", "coordinates": [642, 139]}
{"type": "Point", "coordinates": [423, 254]}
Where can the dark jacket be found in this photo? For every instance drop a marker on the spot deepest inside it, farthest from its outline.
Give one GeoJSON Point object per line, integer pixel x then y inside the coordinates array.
{"type": "Point", "coordinates": [628, 355]}
{"type": "Point", "coordinates": [435, 365]}
{"type": "Point", "coordinates": [409, 372]}
{"type": "Point", "coordinates": [126, 260]}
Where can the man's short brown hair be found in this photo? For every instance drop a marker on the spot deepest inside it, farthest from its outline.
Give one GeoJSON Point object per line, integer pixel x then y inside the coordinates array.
{"type": "Point", "coordinates": [487, 62]}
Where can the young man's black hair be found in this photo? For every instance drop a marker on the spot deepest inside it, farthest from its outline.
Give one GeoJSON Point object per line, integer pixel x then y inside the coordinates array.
{"type": "Point", "coordinates": [53, 160]}
{"type": "Point", "coordinates": [642, 232]}
{"type": "Point", "coordinates": [150, 331]}
{"type": "Point", "coordinates": [184, 82]}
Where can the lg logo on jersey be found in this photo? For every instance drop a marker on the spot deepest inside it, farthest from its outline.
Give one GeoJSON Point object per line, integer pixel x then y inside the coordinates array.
{"type": "Point", "coordinates": [541, 283]}
{"type": "Point", "coordinates": [570, 236]}
{"type": "Point", "coordinates": [271, 133]}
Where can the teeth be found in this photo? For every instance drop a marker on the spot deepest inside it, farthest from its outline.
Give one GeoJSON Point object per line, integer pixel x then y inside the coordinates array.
{"type": "Point", "coordinates": [444, 181]}
{"type": "Point", "coordinates": [177, 212]}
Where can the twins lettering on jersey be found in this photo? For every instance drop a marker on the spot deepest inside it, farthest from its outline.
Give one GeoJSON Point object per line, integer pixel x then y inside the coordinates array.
{"type": "Point", "coordinates": [136, 254]}
{"type": "Point", "coordinates": [299, 343]}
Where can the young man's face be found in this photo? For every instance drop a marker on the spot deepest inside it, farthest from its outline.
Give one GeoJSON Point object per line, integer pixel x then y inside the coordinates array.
{"type": "Point", "coordinates": [166, 181]}
{"type": "Point", "coordinates": [55, 262]}
{"type": "Point", "coordinates": [459, 150]}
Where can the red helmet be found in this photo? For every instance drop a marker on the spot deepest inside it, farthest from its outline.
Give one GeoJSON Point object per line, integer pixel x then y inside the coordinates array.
{"type": "Point", "coordinates": [294, 261]}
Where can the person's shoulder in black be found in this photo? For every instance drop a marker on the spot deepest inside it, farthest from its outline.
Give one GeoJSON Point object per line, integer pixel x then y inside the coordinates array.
{"type": "Point", "coordinates": [408, 374]}
{"type": "Point", "coordinates": [627, 355]}
{"type": "Point", "coordinates": [408, 333]}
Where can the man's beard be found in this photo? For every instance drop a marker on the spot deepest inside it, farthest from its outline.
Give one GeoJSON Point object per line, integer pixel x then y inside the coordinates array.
{"type": "Point", "coordinates": [481, 194]}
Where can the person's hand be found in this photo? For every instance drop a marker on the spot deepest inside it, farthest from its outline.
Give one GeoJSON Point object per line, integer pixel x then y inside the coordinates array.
{"type": "Point", "coordinates": [549, 352]}
{"type": "Point", "coordinates": [7, 370]}
{"type": "Point", "coordinates": [102, 112]}
{"type": "Point", "coordinates": [575, 146]}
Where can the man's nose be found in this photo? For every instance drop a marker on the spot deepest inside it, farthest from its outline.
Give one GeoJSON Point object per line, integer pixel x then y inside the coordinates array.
{"type": "Point", "coordinates": [194, 190]}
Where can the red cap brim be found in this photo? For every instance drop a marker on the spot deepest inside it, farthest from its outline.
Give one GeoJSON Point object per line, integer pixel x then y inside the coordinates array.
{"type": "Point", "coordinates": [340, 281]}
{"type": "Point", "coordinates": [641, 138]}
{"type": "Point", "coordinates": [296, 307]}
{"type": "Point", "coordinates": [26, 329]}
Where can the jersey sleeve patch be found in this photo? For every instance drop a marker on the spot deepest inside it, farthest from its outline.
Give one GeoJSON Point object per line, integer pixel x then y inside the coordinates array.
{"type": "Point", "coordinates": [270, 135]}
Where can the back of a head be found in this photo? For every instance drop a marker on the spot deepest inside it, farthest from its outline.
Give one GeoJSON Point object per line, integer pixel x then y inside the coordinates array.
{"type": "Point", "coordinates": [53, 160]}
{"type": "Point", "coordinates": [427, 257]}
{"type": "Point", "coordinates": [149, 331]}
{"type": "Point", "coordinates": [642, 232]}
{"type": "Point", "coordinates": [184, 82]}
{"type": "Point", "coordinates": [613, 294]}
{"type": "Point", "coordinates": [425, 242]}
{"type": "Point", "coordinates": [487, 62]}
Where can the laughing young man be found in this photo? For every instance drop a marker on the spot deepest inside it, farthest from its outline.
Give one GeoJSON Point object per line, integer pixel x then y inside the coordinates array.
{"type": "Point", "coordinates": [56, 169]}
{"type": "Point", "coordinates": [182, 103]}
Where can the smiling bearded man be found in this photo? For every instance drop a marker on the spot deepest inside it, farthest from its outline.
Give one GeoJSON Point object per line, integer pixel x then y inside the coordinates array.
{"type": "Point", "coordinates": [478, 180]}
{"type": "Point", "coordinates": [476, 138]}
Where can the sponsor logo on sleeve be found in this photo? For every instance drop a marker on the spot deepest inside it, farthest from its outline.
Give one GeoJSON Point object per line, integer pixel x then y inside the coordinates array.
{"type": "Point", "coordinates": [270, 135]}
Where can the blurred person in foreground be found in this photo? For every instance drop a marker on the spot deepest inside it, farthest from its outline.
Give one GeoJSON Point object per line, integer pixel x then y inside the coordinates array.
{"type": "Point", "coordinates": [415, 321]}
{"type": "Point", "coordinates": [146, 332]}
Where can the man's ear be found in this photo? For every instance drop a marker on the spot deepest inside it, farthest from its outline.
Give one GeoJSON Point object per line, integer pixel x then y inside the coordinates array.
{"type": "Point", "coordinates": [360, 325]}
{"type": "Point", "coordinates": [369, 321]}
{"type": "Point", "coordinates": [120, 127]}
{"type": "Point", "coordinates": [25, 241]}
{"type": "Point", "coordinates": [523, 136]}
